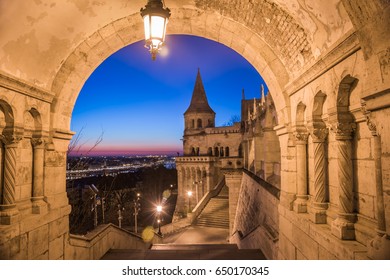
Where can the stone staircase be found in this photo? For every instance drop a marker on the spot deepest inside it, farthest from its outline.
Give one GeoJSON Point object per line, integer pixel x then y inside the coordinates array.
{"type": "Point", "coordinates": [187, 252]}
{"type": "Point", "coordinates": [216, 212]}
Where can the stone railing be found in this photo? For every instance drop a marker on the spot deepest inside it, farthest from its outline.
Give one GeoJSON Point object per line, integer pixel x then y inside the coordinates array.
{"type": "Point", "coordinates": [98, 242]}
{"type": "Point", "coordinates": [185, 222]}
{"type": "Point", "coordinates": [193, 159]}
{"type": "Point", "coordinates": [206, 198]}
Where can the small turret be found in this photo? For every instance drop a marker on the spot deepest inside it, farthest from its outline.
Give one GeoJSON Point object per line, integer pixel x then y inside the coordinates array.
{"type": "Point", "coordinates": [199, 114]}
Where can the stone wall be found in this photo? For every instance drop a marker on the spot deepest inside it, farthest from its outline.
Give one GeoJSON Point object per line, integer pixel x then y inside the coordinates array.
{"type": "Point", "coordinates": [256, 223]}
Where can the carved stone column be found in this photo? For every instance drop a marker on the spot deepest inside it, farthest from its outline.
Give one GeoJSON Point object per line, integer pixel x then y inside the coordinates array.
{"type": "Point", "coordinates": [379, 247]}
{"type": "Point", "coordinates": [9, 214]}
{"type": "Point", "coordinates": [38, 204]}
{"type": "Point", "coordinates": [343, 226]}
{"type": "Point", "coordinates": [300, 204]}
{"type": "Point", "coordinates": [319, 205]}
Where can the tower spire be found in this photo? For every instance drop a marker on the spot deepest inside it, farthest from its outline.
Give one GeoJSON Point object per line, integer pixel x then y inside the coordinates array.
{"type": "Point", "coordinates": [262, 95]}
{"type": "Point", "coordinates": [199, 103]}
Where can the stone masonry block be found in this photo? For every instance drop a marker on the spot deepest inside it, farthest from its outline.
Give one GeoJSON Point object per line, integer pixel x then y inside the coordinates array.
{"type": "Point", "coordinates": [56, 248]}
{"type": "Point", "coordinates": [38, 242]}
{"type": "Point", "coordinates": [58, 227]}
{"type": "Point", "coordinates": [287, 248]}
{"type": "Point", "coordinates": [107, 31]}
{"type": "Point", "coordinates": [305, 243]}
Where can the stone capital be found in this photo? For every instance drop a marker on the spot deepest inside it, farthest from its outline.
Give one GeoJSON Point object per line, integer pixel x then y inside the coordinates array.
{"type": "Point", "coordinates": [343, 131]}
{"type": "Point", "coordinates": [301, 137]}
{"type": "Point", "coordinates": [10, 139]}
{"type": "Point", "coordinates": [38, 143]}
{"type": "Point", "coordinates": [319, 134]}
{"type": "Point", "coordinates": [369, 120]}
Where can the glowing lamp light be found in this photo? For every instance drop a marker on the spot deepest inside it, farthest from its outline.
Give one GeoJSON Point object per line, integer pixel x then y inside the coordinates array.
{"type": "Point", "coordinates": [159, 208]}
{"type": "Point", "coordinates": [189, 193]}
{"type": "Point", "coordinates": [155, 18]}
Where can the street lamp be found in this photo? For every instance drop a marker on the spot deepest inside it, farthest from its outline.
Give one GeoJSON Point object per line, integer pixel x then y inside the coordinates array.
{"type": "Point", "coordinates": [120, 217]}
{"type": "Point", "coordinates": [159, 209]}
{"type": "Point", "coordinates": [137, 208]}
{"type": "Point", "coordinates": [155, 18]}
{"type": "Point", "coordinates": [189, 193]}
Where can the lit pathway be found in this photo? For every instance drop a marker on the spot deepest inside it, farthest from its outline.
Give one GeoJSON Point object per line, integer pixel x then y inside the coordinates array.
{"type": "Point", "coordinates": [199, 235]}
{"type": "Point", "coordinates": [193, 243]}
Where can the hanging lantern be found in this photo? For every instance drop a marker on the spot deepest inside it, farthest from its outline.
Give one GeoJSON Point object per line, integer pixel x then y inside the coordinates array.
{"type": "Point", "coordinates": [155, 18]}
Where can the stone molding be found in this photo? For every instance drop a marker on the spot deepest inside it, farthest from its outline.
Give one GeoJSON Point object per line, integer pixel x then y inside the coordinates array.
{"type": "Point", "coordinates": [24, 87]}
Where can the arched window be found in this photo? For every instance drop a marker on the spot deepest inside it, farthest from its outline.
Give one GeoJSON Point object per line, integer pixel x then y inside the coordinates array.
{"type": "Point", "coordinates": [199, 123]}
{"type": "Point", "coordinates": [192, 123]}
{"type": "Point", "coordinates": [240, 150]}
{"type": "Point", "coordinates": [216, 152]}
{"type": "Point", "coordinates": [210, 151]}
{"type": "Point", "coordinates": [197, 151]}
{"type": "Point", "coordinates": [193, 152]}
{"type": "Point", "coordinates": [227, 151]}
{"type": "Point", "coordinates": [221, 153]}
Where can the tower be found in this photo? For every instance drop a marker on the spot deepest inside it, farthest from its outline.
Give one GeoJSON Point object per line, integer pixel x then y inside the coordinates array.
{"type": "Point", "coordinates": [199, 114]}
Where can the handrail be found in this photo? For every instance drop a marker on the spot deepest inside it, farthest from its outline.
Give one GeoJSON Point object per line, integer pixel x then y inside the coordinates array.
{"type": "Point", "coordinates": [274, 191]}
{"type": "Point", "coordinates": [98, 242]}
{"type": "Point", "coordinates": [206, 198]}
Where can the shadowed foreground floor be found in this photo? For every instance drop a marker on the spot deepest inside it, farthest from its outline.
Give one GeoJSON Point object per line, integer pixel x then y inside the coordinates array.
{"type": "Point", "coordinates": [193, 243]}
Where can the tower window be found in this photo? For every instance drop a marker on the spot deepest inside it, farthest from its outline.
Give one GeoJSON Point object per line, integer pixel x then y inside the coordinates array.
{"type": "Point", "coordinates": [192, 123]}
{"type": "Point", "coordinates": [199, 123]}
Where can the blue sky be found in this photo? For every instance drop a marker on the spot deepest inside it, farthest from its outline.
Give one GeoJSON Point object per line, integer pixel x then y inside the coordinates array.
{"type": "Point", "coordinates": [139, 103]}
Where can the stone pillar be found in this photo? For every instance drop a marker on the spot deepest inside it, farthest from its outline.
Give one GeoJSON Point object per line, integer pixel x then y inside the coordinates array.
{"type": "Point", "coordinates": [209, 180]}
{"type": "Point", "coordinates": [1, 171]}
{"type": "Point", "coordinates": [300, 204]}
{"type": "Point", "coordinates": [39, 206]}
{"type": "Point", "coordinates": [343, 225]}
{"type": "Point", "coordinates": [9, 214]}
{"type": "Point", "coordinates": [319, 205]}
{"type": "Point", "coordinates": [233, 179]}
{"type": "Point", "coordinates": [379, 247]}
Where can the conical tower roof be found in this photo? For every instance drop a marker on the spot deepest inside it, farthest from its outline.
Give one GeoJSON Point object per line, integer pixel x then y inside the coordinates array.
{"type": "Point", "coordinates": [199, 103]}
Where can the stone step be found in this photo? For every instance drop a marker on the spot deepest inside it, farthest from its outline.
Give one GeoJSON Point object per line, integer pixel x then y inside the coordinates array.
{"type": "Point", "coordinates": [178, 247]}
{"type": "Point", "coordinates": [186, 252]}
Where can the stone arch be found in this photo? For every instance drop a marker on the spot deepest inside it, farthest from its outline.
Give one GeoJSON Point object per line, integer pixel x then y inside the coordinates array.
{"type": "Point", "coordinates": [7, 119]}
{"type": "Point", "coordinates": [346, 86]}
{"type": "Point", "coordinates": [32, 123]}
{"type": "Point", "coordinates": [85, 58]}
{"type": "Point", "coordinates": [318, 106]}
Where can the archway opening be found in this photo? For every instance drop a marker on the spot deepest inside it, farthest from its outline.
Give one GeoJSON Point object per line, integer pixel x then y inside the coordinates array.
{"type": "Point", "coordinates": [128, 95]}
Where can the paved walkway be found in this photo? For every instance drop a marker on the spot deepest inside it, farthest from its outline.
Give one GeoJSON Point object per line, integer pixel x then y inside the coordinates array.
{"type": "Point", "coordinates": [192, 243]}
{"type": "Point", "coordinates": [198, 235]}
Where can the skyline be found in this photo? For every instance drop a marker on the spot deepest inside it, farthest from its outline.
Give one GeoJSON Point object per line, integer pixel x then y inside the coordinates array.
{"type": "Point", "coordinates": [147, 99]}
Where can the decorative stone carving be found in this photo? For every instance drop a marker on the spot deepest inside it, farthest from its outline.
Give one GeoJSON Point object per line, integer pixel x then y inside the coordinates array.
{"type": "Point", "coordinates": [10, 139]}
{"type": "Point", "coordinates": [343, 130]}
{"type": "Point", "coordinates": [319, 134]}
{"type": "Point", "coordinates": [384, 62]}
{"type": "Point", "coordinates": [370, 124]}
{"type": "Point", "coordinates": [37, 142]}
{"type": "Point", "coordinates": [301, 136]}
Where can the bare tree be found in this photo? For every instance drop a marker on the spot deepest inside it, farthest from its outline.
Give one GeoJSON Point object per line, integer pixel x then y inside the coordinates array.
{"type": "Point", "coordinates": [233, 119]}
